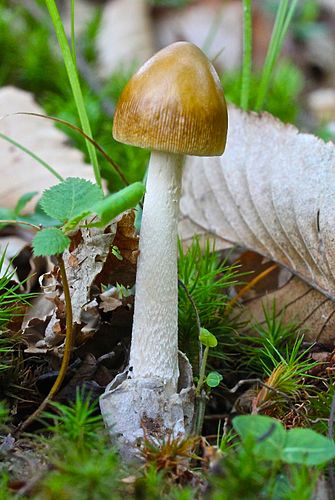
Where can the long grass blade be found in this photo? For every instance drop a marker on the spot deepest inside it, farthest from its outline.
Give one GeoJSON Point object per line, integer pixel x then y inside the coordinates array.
{"type": "Point", "coordinates": [283, 18]}
{"type": "Point", "coordinates": [247, 54]}
{"type": "Point", "coordinates": [74, 82]}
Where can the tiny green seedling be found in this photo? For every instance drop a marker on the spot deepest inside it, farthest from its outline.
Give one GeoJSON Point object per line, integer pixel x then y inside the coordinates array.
{"type": "Point", "coordinates": [213, 379]}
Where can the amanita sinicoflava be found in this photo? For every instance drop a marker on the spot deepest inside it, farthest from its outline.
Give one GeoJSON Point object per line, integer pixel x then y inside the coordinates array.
{"type": "Point", "coordinates": [174, 106]}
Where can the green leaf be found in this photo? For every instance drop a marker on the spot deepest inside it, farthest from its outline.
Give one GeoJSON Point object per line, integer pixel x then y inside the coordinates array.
{"type": "Point", "coordinates": [213, 379]}
{"type": "Point", "coordinates": [207, 338]}
{"type": "Point", "coordinates": [39, 217]}
{"type": "Point", "coordinates": [50, 241]}
{"type": "Point", "coordinates": [116, 203]}
{"type": "Point", "coordinates": [269, 434]}
{"type": "Point", "coordinates": [305, 446]}
{"type": "Point", "coordinates": [74, 82]}
{"type": "Point", "coordinates": [22, 202]}
{"type": "Point", "coordinates": [6, 214]}
{"type": "Point", "coordinates": [70, 198]}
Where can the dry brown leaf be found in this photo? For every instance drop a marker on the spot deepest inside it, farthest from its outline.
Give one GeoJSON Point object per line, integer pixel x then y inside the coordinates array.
{"type": "Point", "coordinates": [19, 172]}
{"type": "Point", "coordinates": [90, 266]}
{"type": "Point", "coordinates": [302, 305]}
{"type": "Point", "coordinates": [272, 192]}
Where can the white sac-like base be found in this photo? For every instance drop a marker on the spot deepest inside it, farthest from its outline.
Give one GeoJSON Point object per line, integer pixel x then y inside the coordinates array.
{"type": "Point", "coordinates": [130, 406]}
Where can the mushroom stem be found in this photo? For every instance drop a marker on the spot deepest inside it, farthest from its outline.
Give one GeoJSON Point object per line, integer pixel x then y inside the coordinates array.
{"type": "Point", "coordinates": [154, 348]}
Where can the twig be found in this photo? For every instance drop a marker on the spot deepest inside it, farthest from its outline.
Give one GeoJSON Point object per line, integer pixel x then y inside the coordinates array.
{"type": "Point", "coordinates": [250, 285]}
{"type": "Point", "coordinates": [197, 317]}
{"type": "Point", "coordinates": [67, 351]}
{"type": "Point", "coordinates": [260, 382]}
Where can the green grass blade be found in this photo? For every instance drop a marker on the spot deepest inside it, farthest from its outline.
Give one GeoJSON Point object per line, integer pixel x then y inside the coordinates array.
{"type": "Point", "coordinates": [283, 19]}
{"type": "Point", "coordinates": [247, 54]}
{"type": "Point", "coordinates": [74, 82]}
{"type": "Point", "coordinates": [73, 38]}
{"type": "Point", "coordinates": [33, 155]}
{"type": "Point", "coordinates": [288, 21]}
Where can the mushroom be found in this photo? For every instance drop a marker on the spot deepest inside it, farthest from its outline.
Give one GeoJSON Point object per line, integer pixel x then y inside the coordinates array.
{"type": "Point", "coordinates": [175, 106]}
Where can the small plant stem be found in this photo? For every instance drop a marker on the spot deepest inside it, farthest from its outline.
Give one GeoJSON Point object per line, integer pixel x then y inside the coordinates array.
{"type": "Point", "coordinates": [197, 317]}
{"type": "Point", "coordinates": [200, 397]}
{"type": "Point", "coordinates": [331, 478]}
{"type": "Point", "coordinates": [74, 82]}
{"type": "Point", "coordinates": [67, 350]}
{"type": "Point", "coordinates": [24, 223]}
{"type": "Point", "coordinates": [202, 372]}
{"type": "Point", "coordinates": [200, 408]}
{"type": "Point", "coordinates": [249, 286]}
{"type": "Point", "coordinates": [247, 54]}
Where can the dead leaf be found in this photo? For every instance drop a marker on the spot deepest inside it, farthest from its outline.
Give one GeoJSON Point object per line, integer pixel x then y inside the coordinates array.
{"type": "Point", "coordinates": [19, 172]}
{"type": "Point", "coordinates": [272, 192]}
{"type": "Point", "coordinates": [302, 305]}
{"type": "Point", "coordinates": [90, 266]}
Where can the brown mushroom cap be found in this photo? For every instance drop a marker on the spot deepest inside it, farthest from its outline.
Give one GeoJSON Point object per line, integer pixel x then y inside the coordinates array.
{"type": "Point", "coordinates": [174, 103]}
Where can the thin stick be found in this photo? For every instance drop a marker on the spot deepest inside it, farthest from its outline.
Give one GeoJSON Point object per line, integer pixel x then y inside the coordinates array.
{"type": "Point", "coordinates": [23, 222]}
{"type": "Point", "coordinates": [331, 436]}
{"type": "Point", "coordinates": [69, 340]}
{"type": "Point", "coordinates": [197, 317]}
{"type": "Point", "coordinates": [249, 286]}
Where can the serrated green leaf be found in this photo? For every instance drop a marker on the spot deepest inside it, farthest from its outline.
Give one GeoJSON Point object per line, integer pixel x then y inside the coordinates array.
{"type": "Point", "coordinates": [269, 434]}
{"type": "Point", "coordinates": [213, 379]}
{"type": "Point", "coordinates": [207, 338]}
{"type": "Point", "coordinates": [70, 198]}
{"type": "Point", "coordinates": [50, 241]}
{"type": "Point", "coordinates": [22, 202]}
{"type": "Point", "coordinates": [116, 203]}
{"type": "Point", "coordinates": [305, 446]}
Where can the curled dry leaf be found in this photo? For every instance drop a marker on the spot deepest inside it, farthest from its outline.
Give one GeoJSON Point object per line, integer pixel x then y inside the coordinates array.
{"type": "Point", "coordinates": [272, 192]}
{"type": "Point", "coordinates": [91, 266]}
{"type": "Point", "coordinates": [19, 172]}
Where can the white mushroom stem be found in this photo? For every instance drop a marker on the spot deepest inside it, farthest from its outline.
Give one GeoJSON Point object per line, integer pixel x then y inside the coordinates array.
{"type": "Point", "coordinates": [154, 348]}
